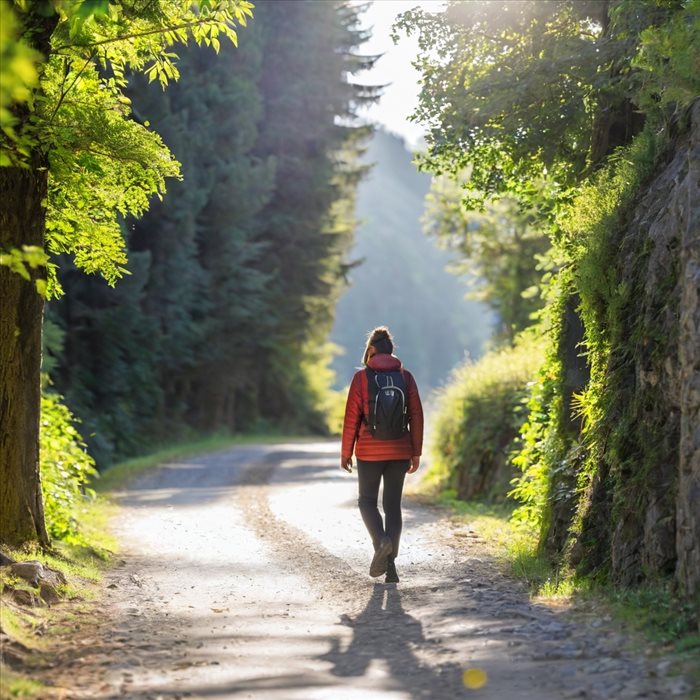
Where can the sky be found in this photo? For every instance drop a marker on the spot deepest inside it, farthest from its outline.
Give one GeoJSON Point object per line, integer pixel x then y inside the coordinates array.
{"type": "Point", "coordinates": [401, 97]}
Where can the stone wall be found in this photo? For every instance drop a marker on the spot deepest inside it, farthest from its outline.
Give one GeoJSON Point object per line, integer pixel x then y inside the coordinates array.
{"type": "Point", "coordinates": [688, 499]}
{"type": "Point", "coordinates": [641, 516]}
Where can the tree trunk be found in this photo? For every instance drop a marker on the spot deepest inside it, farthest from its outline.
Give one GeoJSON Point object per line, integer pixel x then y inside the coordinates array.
{"type": "Point", "coordinates": [688, 502]}
{"type": "Point", "coordinates": [22, 220]}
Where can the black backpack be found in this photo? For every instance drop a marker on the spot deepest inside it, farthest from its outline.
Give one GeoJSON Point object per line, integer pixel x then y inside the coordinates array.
{"type": "Point", "coordinates": [388, 412]}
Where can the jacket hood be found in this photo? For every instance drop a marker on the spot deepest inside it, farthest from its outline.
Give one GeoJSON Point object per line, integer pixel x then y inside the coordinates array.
{"type": "Point", "coordinates": [382, 362]}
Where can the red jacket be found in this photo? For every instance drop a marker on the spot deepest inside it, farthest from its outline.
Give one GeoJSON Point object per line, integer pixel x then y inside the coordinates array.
{"type": "Point", "coordinates": [356, 435]}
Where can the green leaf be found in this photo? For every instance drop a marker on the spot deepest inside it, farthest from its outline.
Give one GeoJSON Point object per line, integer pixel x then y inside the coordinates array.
{"type": "Point", "coordinates": [90, 8]}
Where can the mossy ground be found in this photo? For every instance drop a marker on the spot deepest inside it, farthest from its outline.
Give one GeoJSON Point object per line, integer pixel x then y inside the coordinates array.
{"type": "Point", "coordinates": [33, 632]}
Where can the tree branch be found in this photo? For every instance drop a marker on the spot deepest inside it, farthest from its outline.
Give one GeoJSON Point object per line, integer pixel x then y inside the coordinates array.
{"type": "Point", "coordinates": [70, 87]}
{"type": "Point", "coordinates": [137, 35]}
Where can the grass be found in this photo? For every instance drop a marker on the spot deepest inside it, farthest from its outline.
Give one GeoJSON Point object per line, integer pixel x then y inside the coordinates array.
{"type": "Point", "coordinates": [15, 685]}
{"type": "Point", "coordinates": [32, 631]}
{"type": "Point", "coordinates": [477, 418]}
{"type": "Point", "coordinates": [514, 545]}
{"type": "Point", "coordinates": [667, 620]}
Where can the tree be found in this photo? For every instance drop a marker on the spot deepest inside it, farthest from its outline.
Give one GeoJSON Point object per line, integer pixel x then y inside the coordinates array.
{"type": "Point", "coordinates": [500, 248]}
{"type": "Point", "coordinates": [235, 271]}
{"type": "Point", "coordinates": [308, 223]}
{"type": "Point", "coordinates": [526, 98]}
{"type": "Point", "coordinates": [74, 161]}
{"type": "Point", "coordinates": [568, 107]}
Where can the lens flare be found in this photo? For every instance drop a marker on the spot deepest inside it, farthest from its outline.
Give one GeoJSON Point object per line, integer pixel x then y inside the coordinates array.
{"type": "Point", "coordinates": [474, 678]}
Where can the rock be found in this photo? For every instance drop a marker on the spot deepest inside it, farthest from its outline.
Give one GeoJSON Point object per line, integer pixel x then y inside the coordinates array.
{"type": "Point", "coordinates": [26, 598]}
{"type": "Point", "coordinates": [663, 666]}
{"type": "Point", "coordinates": [53, 577]}
{"type": "Point", "coordinates": [630, 691]}
{"type": "Point", "coordinates": [677, 687]}
{"type": "Point", "coordinates": [30, 571]}
{"type": "Point", "coordinates": [35, 573]}
{"type": "Point", "coordinates": [48, 593]}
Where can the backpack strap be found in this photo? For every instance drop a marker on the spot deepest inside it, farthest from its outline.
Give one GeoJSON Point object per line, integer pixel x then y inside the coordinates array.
{"type": "Point", "coordinates": [371, 393]}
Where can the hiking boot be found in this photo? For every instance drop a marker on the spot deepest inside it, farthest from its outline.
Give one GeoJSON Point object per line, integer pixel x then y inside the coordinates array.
{"type": "Point", "coordinates": [381, 556]}
{"type": "Point", "coordinates": [391, 575]}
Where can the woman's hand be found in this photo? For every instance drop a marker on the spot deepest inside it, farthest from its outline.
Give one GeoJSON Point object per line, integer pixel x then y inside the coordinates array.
{"type": "Point", "coordinates": [346, 464]}
{"type": "Point", "coordinates": [415, 463]}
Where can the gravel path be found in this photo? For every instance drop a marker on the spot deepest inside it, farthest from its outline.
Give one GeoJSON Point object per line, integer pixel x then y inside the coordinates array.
{"type": "Point", "coordinates": [244, 575]}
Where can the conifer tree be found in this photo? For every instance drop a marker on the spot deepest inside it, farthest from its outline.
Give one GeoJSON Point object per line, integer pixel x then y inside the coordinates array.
{"type": "Point", "coordinates": [244, 256]}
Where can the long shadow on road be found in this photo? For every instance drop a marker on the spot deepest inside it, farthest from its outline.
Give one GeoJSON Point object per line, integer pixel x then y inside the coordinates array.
{"type": "Point", "coordinates": [382, 659]}
{"type": "Point", "coordinates": [385, 633]}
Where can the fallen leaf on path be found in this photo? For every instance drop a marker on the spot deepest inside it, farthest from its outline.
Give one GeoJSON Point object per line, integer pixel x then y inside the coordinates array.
{"type": "Point", "coordinates": [219, 610]}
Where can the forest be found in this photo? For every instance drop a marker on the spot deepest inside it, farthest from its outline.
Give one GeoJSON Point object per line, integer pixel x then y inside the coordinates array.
{"type": "Point", "coordinates": [178, 220]}
{"type": "Point", "coordinates": [212, 309]}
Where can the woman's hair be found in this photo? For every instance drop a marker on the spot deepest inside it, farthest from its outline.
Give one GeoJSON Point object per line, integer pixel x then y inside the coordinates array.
{"type": "Point", "coordinates": [382, 342]}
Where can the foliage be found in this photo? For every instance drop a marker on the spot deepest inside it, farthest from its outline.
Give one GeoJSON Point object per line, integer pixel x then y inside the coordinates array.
{"type": "Point", "coordinates": [18, 74]}
{"type": "Point", "coordinates": [568, 107]}
{"type": "Point", "coordinates": [661, 614]}
{"type": "Point", "coordinates": [66, 468]}
{"type": "Point", "coordinates": [514, 96]}
{"type": "Point", "coordinates": [23, 261]}
{"type": "Point", "coordinates": [221, 323]}
{"type": "Point", "coordinates": [73, 162]}
{"type": "Point", "coordinates": [478, 416]}
{"type": "Point", "coordinates": [541, 456]}
{"type": "Point", "coordinates": [669, 63]}
{"type": "Point", "coordinates": [561, 467]}
{"type": "Point", "coordinates": [501, 249]}
{"type": "Point", "coordinates": [102, 164]}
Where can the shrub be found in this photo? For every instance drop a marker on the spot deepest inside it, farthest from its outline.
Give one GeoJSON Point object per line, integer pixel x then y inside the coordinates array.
{"type": "Point", "coordinates": [66, 468]}
{"type": "Point", "coordinates": [479, 416]}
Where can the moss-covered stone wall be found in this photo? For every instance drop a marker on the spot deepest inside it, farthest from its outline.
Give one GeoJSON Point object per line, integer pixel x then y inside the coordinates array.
{"type": "Point", "coordinates": [615, 464]}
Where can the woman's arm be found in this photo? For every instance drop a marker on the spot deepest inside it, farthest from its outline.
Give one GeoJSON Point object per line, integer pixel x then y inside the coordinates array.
{"type": "Point", "coordinates": [351, 422]}
{"type": "Point", "coordinates": [415, 419]}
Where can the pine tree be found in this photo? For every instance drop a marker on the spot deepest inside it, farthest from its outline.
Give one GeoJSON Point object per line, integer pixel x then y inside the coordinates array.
{"type": "Point", "coordinates": [244, 257]}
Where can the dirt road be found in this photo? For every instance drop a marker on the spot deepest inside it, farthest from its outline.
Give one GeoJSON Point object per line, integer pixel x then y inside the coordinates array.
{"type": "Point", "coordinates": [244, 575]}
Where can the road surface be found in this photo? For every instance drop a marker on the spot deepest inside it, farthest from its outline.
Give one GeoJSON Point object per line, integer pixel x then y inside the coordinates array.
{"type": "Point", "coordinates": [244, 574]}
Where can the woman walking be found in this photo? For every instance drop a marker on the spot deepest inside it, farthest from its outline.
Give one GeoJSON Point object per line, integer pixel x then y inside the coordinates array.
{"type": "Point", "coordinates": [383, 427]}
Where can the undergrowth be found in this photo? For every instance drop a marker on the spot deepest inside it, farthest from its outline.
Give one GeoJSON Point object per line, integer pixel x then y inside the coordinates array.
{"type": "Point", "coordinates": [478, 418]}
{"type": "Point", "coordinates": [561, 466]}
{"type": "Point", "coordinates": [66, 468]}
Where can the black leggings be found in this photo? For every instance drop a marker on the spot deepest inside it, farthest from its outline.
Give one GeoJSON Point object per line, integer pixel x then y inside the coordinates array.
{"type": "Point", "coordinates": [369, 475]}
